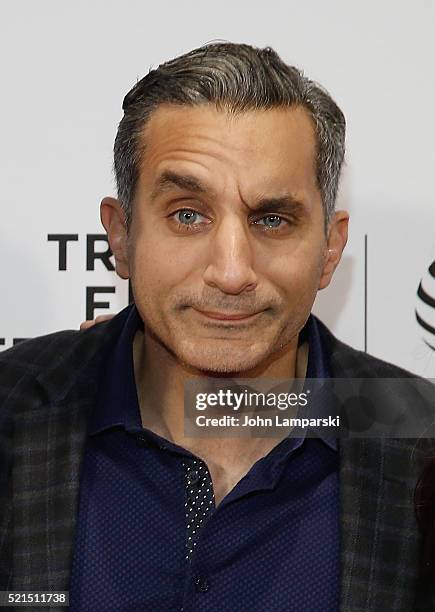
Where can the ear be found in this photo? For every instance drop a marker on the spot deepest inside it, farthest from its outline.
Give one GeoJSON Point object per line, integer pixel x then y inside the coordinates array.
{"type": "Point", "coordinates": [113, 218]}
{"type": "Point", "coordinates": [337, 239]}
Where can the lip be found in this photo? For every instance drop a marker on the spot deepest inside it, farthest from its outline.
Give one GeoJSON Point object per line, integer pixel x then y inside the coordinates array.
{"type": "Point", "coordinates": [221, 316]}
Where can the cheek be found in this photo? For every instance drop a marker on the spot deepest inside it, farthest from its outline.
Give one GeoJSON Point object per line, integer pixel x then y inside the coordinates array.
{"type": "Point", "coordinates": [161, 264]}
{"type": "Point", "coordinates": [296, 273]}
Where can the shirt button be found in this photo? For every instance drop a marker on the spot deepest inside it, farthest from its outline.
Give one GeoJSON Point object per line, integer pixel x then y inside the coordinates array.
{"type": "Point", "coordinates": [201, 584]}
{"type": "Point", "coordinates": [193, 477]}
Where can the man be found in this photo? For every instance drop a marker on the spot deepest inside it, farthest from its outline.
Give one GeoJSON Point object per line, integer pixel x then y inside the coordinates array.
{"type": "Point", "coordinates": [227, 164]}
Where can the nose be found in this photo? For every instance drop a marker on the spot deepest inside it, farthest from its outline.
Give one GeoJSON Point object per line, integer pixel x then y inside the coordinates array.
{"type": "Point", "coordinates": [229, 265]}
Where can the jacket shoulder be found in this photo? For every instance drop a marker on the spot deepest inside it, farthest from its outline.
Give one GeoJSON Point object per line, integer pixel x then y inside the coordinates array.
{"type": "Point", "coordinates": [389, 389]}
{"type": "Point", "coordinates": [30, 355]}
{"type": "Point", "coordinates": [50, 365]}
{"type": "Point", "coordinates": [347, 361]}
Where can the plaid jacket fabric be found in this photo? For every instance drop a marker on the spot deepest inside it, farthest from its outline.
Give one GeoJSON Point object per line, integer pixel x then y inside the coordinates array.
{"type": "Point", "coordinates": [48, 388]}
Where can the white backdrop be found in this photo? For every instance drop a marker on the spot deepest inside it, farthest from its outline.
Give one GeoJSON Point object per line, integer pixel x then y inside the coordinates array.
{"type": "Point", "coordinates": [66, 68]}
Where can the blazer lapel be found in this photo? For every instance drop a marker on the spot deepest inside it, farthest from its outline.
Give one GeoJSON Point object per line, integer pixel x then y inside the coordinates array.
{"type": "Point", "coordinates": [47, 472]}
{"type": "Point", "coordinates": [380, 543]}
{"type": "Point", "coordinates": [51, 424]}
{"type": "Point", "coordinates": [379, 534]}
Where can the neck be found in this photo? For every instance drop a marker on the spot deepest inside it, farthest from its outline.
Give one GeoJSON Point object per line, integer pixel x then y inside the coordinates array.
{"type": "Point", "coordinates": [160, 380]}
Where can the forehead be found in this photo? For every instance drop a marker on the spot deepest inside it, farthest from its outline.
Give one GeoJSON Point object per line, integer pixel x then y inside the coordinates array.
{"type": "Point", "coordinates": [273, 147]}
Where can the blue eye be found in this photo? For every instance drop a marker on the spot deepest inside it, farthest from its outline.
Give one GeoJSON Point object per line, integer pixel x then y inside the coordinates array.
{"type": "Point", "coordinates": [186, 216]}
{"type": "Point", "coordinates": [271, 221]}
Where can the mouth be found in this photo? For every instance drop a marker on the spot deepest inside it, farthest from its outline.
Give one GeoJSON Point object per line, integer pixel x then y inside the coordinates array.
{"type": "Point", "coordinates": [222, 316]}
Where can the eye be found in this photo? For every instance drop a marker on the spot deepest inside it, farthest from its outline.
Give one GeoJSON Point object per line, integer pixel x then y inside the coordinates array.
{"type": "Point", "coordinates": [271, 221]}
{"type": "Point", "coordinates": [186, 216]}
{"type": "Point", "coordinates": [188, 220]}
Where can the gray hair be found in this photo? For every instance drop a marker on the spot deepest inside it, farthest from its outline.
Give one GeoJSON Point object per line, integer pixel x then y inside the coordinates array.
{"type": "Point", "coordinates": [236, 78]}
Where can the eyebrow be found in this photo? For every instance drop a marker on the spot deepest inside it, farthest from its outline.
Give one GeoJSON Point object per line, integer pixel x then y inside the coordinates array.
{"type": "Point", "coordinates": [169, 179]}
{"type": "Point", "coordinates": [286, 203]}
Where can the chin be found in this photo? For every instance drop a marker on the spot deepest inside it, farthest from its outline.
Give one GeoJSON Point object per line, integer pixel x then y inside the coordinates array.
{"type": "Point", "coordinates": [220, 357]}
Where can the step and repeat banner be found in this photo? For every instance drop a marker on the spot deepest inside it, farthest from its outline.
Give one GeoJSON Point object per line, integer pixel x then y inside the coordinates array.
{"type": "Point", "coordinates": [66, 68]}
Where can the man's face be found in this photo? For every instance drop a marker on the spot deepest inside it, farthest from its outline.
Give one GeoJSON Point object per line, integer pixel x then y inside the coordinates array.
{"type": "Point", "coordinates": [227, 249]}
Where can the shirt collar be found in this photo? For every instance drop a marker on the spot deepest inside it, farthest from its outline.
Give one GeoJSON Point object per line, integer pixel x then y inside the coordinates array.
{"type": "Point", "coordinates": [318, 367]}
{"type": "Point", "coordinates": [118, 405]}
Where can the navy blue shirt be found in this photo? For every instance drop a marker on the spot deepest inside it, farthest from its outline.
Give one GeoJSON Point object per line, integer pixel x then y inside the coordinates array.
{"type": "Point", "coordinates": [149, 536]}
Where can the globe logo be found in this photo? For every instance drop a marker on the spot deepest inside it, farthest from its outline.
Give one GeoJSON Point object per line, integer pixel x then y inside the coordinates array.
{"type": "Point", "coordinates": [425, 310]}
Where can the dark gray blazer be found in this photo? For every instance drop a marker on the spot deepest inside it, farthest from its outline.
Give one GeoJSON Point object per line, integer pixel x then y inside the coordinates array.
{"type": "Point", "coordinates": [48, 389]}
